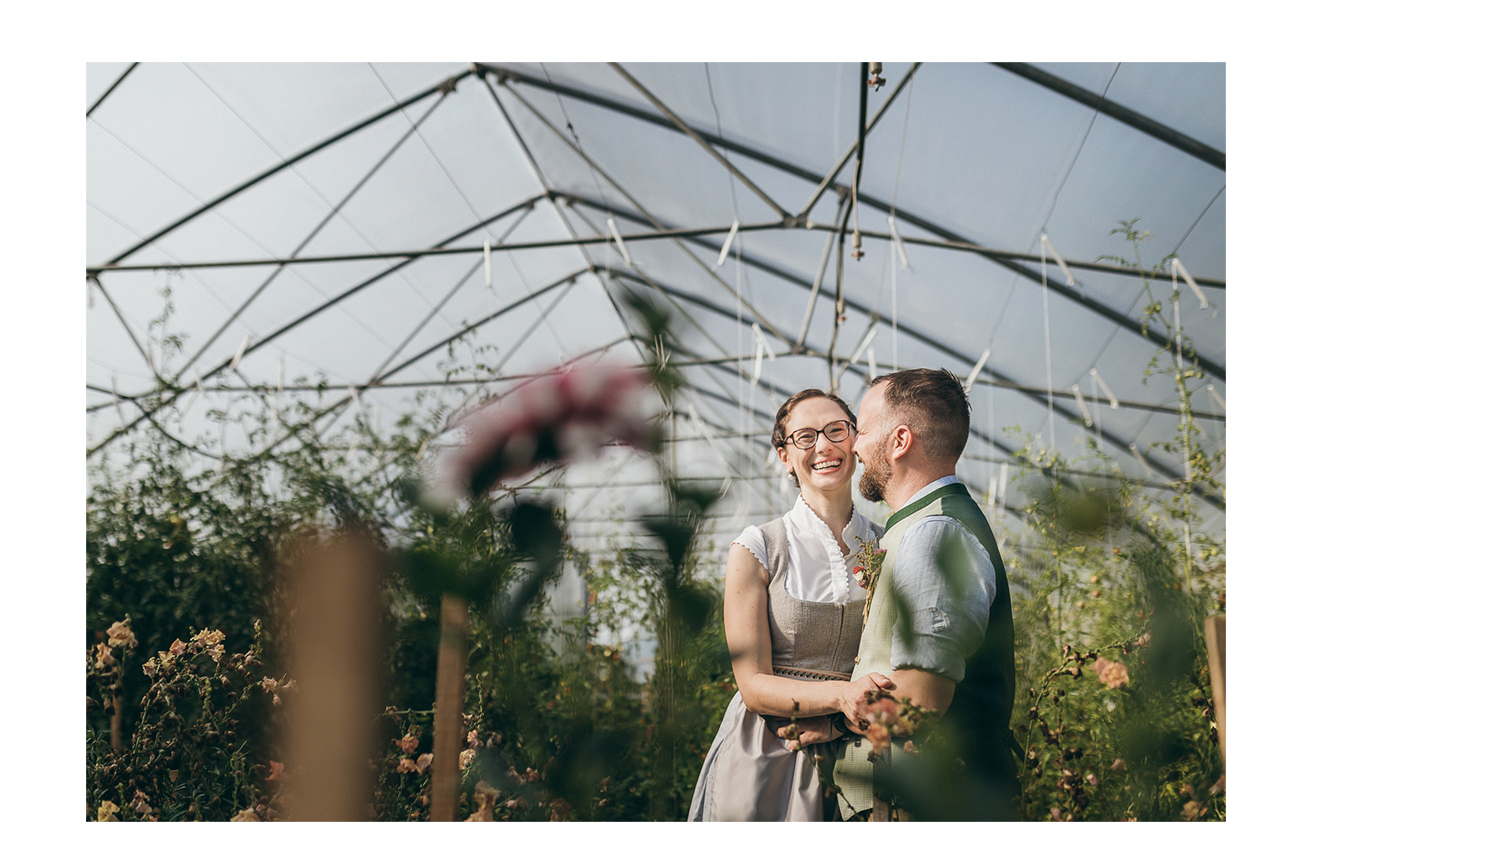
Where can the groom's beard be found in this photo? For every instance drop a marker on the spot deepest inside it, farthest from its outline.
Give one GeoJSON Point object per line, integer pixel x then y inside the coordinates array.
{"type": "Point", "coordinates": [875, 477]}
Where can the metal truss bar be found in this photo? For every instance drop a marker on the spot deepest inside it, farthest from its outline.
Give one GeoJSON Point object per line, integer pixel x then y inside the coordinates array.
{"type": "Point", "coordinates": [309, 315]}
{"type": "Point", "coordinates": [699, 139]}
{"type": "Point", "coordinates": [793, 169]}
{"type": "Point", "coordinates": [569, 279]}
{"type": "Point", "coordinates": [110, 90]}
{"type": "Point", "coordinates": [640, 207]}
{"type": "Point", "coordinates": [668, 233]}
{"type": "Point", "coordinates": [1120, 113]}
{"type": "Point", "coordinates": [448, 296]}
{"type": "Point", "coordinates": [664, 234]}
{"type": "Point", "coordinates": [855, 145]}
{"type": "Point", "coordinates": [994, 253]}
{"type": "Point", "coordinates": [628, 109]}
{"type": "Point", "coordinates": [1071, 293]}
{"type": "Point", "coordinates": [1038, 396]}
{"type": "Point", "coordinates": [444, 88]}
{"type": "Point", "coordinates": [310, 237]}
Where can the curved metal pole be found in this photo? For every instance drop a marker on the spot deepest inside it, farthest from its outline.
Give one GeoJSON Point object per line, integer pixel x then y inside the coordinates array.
{"type": "Point", "coordinates": [111, 89]}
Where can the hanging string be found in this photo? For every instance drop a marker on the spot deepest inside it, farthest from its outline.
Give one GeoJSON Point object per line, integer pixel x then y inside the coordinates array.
{"type": "Point", "coordinates": [1047, 346]}
{"type": "Point", "coordinates": [891, 218]}
{"type": "Point", "coordinates": [746, 403]}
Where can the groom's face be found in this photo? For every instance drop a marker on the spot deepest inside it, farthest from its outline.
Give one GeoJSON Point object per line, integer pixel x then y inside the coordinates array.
{"type": "Point", "coordinates": [870, 445]}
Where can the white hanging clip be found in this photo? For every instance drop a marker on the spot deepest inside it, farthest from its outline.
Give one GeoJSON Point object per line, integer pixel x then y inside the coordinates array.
{"type": "Point", "coordinates": [870, 353]}
{"type": "Point", "coordinates": [281, 373]}
{"type": "Point", "coordinates": [728, 241]}
{"type": "Point", "coordinates": [762, 348]}
{"type": "Point", "coordinates": [1113, 403]}
{"type": "Point", "coordinates": [240, 353]}
{"type": "Point", "coordinates": [1062, 264]}
{"type": "Point", "coordinates": [1004, 482]}
{"type": "Point", "coordinates": [900, 247]}
{"type": "Point", "coordinates": [974, 373]}
{"type": "Point", "coordinates": [989, 497]}
{"type": "Point", "coordinates": [864, 342]}
{"type": "Point", "coordinates": [619, 241]}
{"type": "Point", "coordinates": [489, 279]}
{"type": "Point", "coordinates": [1193, 285]}
{"type": "Point", "coordinates": [1088, 419]}
{"type": "Point", "coordinates": [1219, 399]}
{"type": "Point", "coordinates": [1138, 457]}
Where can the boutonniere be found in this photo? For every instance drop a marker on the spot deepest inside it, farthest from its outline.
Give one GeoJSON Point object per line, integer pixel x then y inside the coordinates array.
{"type": "Point", "coordinates": [868, 558]}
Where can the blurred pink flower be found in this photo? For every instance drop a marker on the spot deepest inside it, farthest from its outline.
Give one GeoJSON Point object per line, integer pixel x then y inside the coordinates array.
{"type": "Point", "coordinates": [423, 762]}
{"type": "Point", "coordinates": [563, 415]}
{"type": "Point", "coordinates": [465, 758]}
{"type": "Point", "coordinates": [408, 743]}
{"type": "Point", "coordinates": [276, 768]}
{"type": "Point", "coordinates": [1112, 674]}
{"type": "Point", "coordinates": [178, 647]}
{"type": "Point", "coordinates": [407, 765]}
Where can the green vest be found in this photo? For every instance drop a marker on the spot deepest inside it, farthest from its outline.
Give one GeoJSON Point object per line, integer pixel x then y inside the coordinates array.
{"type": "Point", "coordinates": [979, 717]}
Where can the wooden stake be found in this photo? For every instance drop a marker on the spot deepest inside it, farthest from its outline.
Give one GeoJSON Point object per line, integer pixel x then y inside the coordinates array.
{"type": "Point", "coordinates": [447, 721]}
{"type": "Point", "coordinates": [334, 619]}
{"type": "Point", "coordinates": [116, 739]}
{"type": "Point", "coordinates": [1213, 631]}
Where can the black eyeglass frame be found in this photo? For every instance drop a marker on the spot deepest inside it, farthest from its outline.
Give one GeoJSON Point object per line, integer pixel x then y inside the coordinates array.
{"type": "Point", "coordinates": [792, 438]}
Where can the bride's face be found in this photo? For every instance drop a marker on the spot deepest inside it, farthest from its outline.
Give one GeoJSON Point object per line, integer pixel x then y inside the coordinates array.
{"type": "Point", "coordinates": [826, 465]}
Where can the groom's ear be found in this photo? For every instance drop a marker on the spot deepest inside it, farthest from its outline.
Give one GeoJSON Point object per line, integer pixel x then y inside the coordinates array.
{"type": "Point", "coordinates": [902, 440]}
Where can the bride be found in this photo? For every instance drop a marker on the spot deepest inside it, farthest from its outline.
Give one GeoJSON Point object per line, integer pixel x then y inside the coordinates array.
{"type": "Point", "coordinates": [792, 615]}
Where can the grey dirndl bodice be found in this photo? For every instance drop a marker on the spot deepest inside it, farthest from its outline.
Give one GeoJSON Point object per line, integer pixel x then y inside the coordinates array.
{"type": "Point", "coordinates": [815, 640]}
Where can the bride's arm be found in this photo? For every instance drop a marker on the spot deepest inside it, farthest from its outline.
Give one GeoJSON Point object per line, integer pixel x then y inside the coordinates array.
{"type": "Point", "coordinates": [749, 635]}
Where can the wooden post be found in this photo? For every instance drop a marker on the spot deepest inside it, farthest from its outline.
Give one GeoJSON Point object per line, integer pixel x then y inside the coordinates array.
{"type": "Point", "coordinates": [116, 738]}
{"type": "Point", "coordinates": [1213, 632]}
{"type": "Point", "coordinates": [447, 717]}
{"type": "Point", "coordinates": [335, 653]}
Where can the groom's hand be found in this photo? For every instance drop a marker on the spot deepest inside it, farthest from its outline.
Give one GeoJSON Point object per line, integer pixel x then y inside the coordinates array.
{"type": "Point", "coordinates": [852, 701]}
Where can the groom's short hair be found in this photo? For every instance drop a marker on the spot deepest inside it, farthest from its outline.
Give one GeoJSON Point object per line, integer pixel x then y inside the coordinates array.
{"type": "Point", "coordinates": [933, 404]}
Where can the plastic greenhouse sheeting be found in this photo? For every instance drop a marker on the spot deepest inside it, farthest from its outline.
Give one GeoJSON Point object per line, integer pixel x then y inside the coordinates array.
{"type": "Point", "coordinates": [325, 223]}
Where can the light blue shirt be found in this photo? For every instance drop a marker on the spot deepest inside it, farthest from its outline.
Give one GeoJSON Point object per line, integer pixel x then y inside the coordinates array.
{"type": "Point", "coordinates": [948, 610]}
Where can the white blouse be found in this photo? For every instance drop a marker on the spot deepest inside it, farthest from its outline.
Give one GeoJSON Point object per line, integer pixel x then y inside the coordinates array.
{"type": "Point", "coordinates": [818, 571]}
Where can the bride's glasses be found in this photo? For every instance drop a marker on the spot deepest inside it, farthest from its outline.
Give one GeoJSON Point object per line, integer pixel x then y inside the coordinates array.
{"type": "Point", "coordinates": [804, 439]}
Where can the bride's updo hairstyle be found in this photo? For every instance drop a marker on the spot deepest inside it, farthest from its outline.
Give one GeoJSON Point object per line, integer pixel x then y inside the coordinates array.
{"type": "Point", "coordinates": [778, 432]}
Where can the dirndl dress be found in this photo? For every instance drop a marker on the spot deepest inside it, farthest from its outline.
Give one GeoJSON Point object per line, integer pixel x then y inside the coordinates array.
{"type": "Point", "coordinates": [749, 773]}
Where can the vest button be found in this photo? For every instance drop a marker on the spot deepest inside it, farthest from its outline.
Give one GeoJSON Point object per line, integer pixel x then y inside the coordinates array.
{"type": "Point", "coordinates": [856, 659]}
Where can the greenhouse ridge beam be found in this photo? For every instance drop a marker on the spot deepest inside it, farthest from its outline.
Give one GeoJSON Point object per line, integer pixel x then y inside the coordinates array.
{"type": "Point", "coordinates": [444, 88]}
{"type": "Point", "coordinates": [1119, 112]}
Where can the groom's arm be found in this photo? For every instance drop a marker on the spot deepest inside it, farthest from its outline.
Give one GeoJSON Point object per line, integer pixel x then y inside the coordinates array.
{"type": "Point", "coordinates": [946, 582]}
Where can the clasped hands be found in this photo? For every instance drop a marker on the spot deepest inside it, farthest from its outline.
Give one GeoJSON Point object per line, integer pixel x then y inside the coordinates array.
{"type": "Point", "coordinates": [852, 704]}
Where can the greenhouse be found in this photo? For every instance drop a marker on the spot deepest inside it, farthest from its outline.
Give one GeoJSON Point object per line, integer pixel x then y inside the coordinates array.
{"type": "Point", "coordinates": [473, 372]}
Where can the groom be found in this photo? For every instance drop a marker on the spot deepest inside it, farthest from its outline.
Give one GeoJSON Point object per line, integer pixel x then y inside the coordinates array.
{"type": "Point", "coordinates": [939, 622]}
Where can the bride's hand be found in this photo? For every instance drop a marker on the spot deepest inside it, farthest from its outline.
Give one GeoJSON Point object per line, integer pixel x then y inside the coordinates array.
{"type": "Point", "coordinates": [818, 729]}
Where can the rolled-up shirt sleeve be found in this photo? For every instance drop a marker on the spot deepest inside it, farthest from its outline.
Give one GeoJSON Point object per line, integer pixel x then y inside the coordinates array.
{"type": "Point", "coordinates": [947, 605]}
